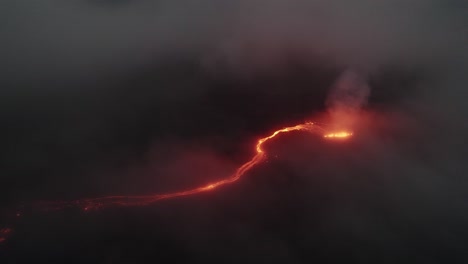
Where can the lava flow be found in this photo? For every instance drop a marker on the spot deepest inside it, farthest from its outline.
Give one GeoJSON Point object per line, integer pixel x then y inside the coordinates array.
{"type": "Point", "coordinates": [342, 134]}
{"type": "Point", "coordinates": [96, 203]}
{"type": "Point", "coordinates": [88, 204]}
{"type": "Point", "coordinates": [106, 201]}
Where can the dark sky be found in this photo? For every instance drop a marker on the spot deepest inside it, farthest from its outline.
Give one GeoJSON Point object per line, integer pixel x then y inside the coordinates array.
{"type": "Point", "coordinates": [104, 97]}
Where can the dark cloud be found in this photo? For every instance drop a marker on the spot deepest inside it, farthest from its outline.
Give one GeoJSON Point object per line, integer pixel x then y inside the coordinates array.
{"type": "Point", "coordinates": [132, 97]}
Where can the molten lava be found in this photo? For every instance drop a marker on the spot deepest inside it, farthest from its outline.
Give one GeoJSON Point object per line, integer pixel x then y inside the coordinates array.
{"type": "Point", "coordinates": [96, 203]}
{"type": "Point", "coordinates": [342, 134]}
{"type": "Point", "coordinates": [88, 204]}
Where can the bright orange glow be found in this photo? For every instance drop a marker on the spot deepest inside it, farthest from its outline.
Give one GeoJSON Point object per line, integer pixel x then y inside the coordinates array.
{"type": "Point", "coordinates": [90, 204]}
{"type": "Point", "coordinates": [96, 203]}
{"type": "Point", "coordinates": [342, 134]}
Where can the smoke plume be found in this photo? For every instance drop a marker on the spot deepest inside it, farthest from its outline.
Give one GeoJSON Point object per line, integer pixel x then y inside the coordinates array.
{"type": "Point", "coordinates": [347, 96]}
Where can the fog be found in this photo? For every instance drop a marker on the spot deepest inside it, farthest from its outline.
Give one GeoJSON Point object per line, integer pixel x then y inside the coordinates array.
{"type": "Point", "coordinates": [104, 97]}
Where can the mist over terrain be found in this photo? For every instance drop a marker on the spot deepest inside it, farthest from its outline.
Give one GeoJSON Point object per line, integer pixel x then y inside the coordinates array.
{"type": "Point", "coordinates": [132, 97]}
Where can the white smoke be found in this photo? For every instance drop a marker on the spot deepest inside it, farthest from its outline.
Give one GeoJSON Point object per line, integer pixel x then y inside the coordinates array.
{"type": "Point", "coordinates": [347, 96]}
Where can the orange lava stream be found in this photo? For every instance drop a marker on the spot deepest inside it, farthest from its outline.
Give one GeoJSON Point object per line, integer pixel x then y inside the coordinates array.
{"type": "Point", "coordinates": [107, 201]}
{"type": "Point", "coordinates": [96, 203]}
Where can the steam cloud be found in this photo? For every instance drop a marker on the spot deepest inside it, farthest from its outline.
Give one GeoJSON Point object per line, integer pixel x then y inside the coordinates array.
{"type": "Point", "coordinates": [347, 95]}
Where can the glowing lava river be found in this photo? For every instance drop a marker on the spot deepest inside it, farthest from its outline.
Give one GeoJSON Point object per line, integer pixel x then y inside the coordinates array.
{"type": "Point", "coordinates": [88, 204]}
{"type": "Point", "coordinates": [100, 202]}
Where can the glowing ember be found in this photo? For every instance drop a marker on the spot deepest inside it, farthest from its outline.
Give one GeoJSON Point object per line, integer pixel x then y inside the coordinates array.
{"type": "Point", "coordinates": [341, 134]}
